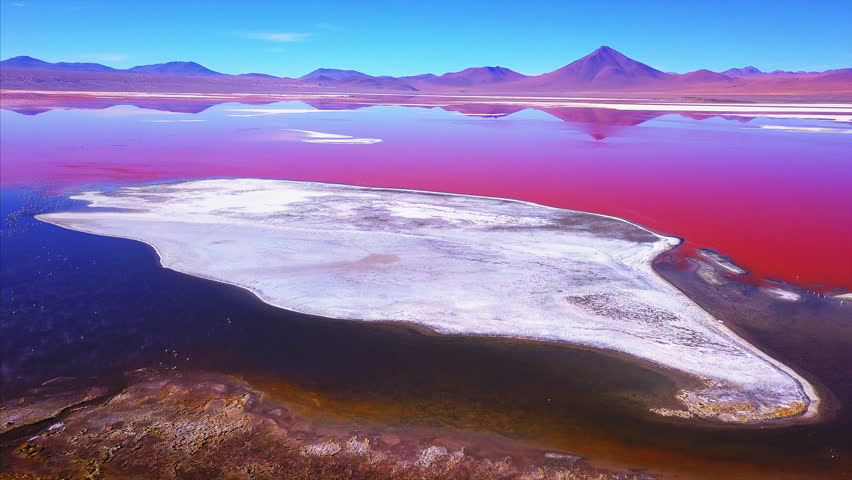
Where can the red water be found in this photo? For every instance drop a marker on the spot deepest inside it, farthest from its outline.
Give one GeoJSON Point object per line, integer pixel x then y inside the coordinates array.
{"type": "Point", "coordinates": [779, 203]}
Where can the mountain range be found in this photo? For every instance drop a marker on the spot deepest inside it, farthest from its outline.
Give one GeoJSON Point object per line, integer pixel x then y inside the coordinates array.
{"type": "Point", "coordinates": [604, 70]}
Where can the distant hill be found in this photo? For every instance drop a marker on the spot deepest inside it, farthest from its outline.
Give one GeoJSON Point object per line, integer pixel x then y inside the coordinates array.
{"type": "Point", "coordinates": [840, 76]}
{"type": "Point", "coordinates": [422, 76]}
{"type": "Point", "coordinates": [354, 79]}
{"type": "Point", "coordinates": [334, 75]}
{"type": "Point", "coordinates": [470, 77]}
{"type": "Point", "coordinates": [605, 68]}
{"type": "Point", "coordinates": [701, 76]}
{"type": "Point", "coordinates": [257, 75]}
{"type": "Point", "coordinates": [843, 71]}
{"type": "Point", "coordinates": [742, 72]}
{"type": "Point", "coordinates": [171, 68]}
{"type": "Point", "coordinates": [382, 83]}
{"type": "Point", "coordinates": [174, 68]}
{"type": "Point", "coordinates": [25, 62]}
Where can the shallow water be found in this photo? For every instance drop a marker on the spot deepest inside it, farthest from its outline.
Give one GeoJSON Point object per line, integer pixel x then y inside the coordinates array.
{"type": "Point", "coordinates": [77, 304]}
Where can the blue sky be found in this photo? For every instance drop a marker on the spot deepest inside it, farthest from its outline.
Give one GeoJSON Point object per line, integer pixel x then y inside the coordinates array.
{"type": "Point", "coordinates": [401, 37]}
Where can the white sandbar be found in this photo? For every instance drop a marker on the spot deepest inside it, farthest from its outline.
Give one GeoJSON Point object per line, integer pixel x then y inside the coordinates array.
{"type": "Point", "coordinates": [456, 264]}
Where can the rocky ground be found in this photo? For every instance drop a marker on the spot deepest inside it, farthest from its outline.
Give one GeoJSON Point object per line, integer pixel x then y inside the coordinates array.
{"type": "Point", "coordinates": [202, 425]}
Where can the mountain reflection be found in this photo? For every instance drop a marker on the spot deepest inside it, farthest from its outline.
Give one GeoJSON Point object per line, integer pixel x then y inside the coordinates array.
{"type": "Point", "coordinates": [598, 123]}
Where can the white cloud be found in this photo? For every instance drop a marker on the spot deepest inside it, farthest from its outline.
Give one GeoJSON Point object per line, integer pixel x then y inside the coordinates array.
{"type": "Point", "coordinates": [281, 37]}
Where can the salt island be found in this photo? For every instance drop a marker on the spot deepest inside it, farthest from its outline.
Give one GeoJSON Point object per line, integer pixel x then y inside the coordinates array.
{"type": "Point", "coordinates": [455, 264]}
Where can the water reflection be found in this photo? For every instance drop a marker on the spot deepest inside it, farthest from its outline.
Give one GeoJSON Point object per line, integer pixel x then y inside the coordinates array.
{"type": "Point", "coordinates": [598, 123]}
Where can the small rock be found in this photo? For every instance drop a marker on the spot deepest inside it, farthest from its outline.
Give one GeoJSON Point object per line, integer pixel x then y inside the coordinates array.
{"type": "Point", "coordinates": [324, 449]}
{"type": "Point", "coordinates": [670, 412]}
{"type": "Point", "coordinates": [214, 405]}
{"type": "Point", "coordinates": [29, 449]}
{"type": "Point", "coordinates": [781, 294]}
{"type": "Point", "coordinates": [358, 447]}
{"type": "Point", "coordinates": [430, 455]}
{"type": "Point", "coordinates": [456, 457]}
{"type": "Point", "coordinates": [722, 261]}
{"type": "Point", "coordinates": [562, 458]}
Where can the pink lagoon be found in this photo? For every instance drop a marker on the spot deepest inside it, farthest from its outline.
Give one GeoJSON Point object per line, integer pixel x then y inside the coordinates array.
{"type": "Point", "coordinates": [713, 179]}
{"type": "Point", "coordinates": [462, 241]}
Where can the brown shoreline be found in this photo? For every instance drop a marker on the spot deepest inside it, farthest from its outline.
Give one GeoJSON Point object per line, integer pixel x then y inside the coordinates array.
{"type": "Point", "coordinates": [125, 434]}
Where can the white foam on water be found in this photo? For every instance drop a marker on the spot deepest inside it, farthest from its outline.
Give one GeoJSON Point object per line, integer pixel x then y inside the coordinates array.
{"type": "Point", "coordinates": [806, 129]}
{"type": "Point", "coordinates": [310, 136]}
